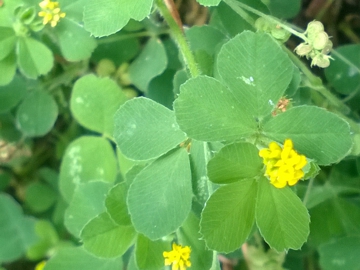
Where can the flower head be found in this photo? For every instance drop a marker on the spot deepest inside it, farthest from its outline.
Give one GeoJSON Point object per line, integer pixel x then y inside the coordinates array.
{"type": "Point", "coordinates": [316, 46]}
{"type": "Point", "coordinates": [50, 12]}
{"type": "Point", "coordinates": [283, 165]}
{"type": "Point", "coordinates": [178, 257]}
{"type": "Point", "coordinates": [40, 265]}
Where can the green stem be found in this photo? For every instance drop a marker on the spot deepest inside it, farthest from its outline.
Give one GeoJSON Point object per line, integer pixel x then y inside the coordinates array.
{"type": "Point", "coordinates": [207, 157]}
{"type": "Point", "coordinates": [131, 35]}
{"type": "Point", "coordinates": [316, 83]}
{"type": "Point", "coordinates": [179, 38]}
{"type": "Point", "coordinates": [346, 29]}
{"type": "Point", "coordinates": [214, 261]}
{"type": "Point", "coordinates": [323, 10]}
{"type": "Point", "coordinates": [240, 11]}
{"type": "Point", "coordinates": [234, 4]}
{"type": "Point", "coordinates": [258, 240]}
{"type": "Point", "coordinates": [66, 77]}
{"type": "Point", "coordinates": [308, 190]}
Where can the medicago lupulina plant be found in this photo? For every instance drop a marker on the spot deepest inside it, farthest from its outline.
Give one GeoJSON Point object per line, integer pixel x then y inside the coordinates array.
{"type": "Point", "coordinates": [143, 144]}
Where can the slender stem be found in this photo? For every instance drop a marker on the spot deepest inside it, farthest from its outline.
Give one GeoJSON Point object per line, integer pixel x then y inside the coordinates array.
{"type": "Point", "coordinates": [233, 4]}
{"type": "Point", "coordinates": [316, 83]}
{"type": "Point", "coordinates": [207, 157]}
{"type": "Point", "coordinates": [308, 190]}
{"type": "Point", "coordinates": [131, 35]}
{"type": "Point", "coordinates": [65, 78]}
{"type": "Point", "coordinates": [352, 95]}
{"type": "Point", "coordinates": [323, 10]}
{"type": "Point", "coordinates": [346, 29]}
{"type": "Point", "coordinates": [215, 259]}
{"type": "Point", "coordinates": [240, 11]}
{"type": "Point", "coordinates": [345, 60]}
{"type": "Point", "coordinates": [179, 38]}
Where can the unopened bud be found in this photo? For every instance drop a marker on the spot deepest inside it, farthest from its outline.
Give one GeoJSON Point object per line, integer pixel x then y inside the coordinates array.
{"type": "Point", "coordinates": [280, 34]}
{"type": "Point", "coordinates": [27, 15]}
{"type": "Point", "coordinates": [303, 49]}
{"type": "Point", "coordinates": [105, 68]}
{"type": "Point", "coordinates": [122, 75]}
{"type": "Point", "coordinates": [37, 26]}
{"type": "Point", "coordinates": [320, 40]}
{"type": "Point", "coordinates": [313, 28]}
{"type": "Point", "coordinates": [262, 24]}
{"type": "Point", "coordinates": [327, 47]}
{"type": "Point", "coordinates": [321, 60]}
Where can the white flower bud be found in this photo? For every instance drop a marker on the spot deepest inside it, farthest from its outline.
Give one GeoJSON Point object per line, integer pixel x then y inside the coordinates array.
{"type": "Point", "coordinates": [320, 40]}
{"type": "Point", "coordinates": [327, 47]}
{"type": "Point", "coordinates": [313, 29]}
{"type": "Point", "coordinates": [321, 60]}
{"type": "Point", "coordinates": [303, 49]}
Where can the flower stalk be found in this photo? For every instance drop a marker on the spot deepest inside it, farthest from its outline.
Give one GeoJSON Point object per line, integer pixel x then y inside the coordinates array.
{"type": "Point", "coordinates": [179, 36]}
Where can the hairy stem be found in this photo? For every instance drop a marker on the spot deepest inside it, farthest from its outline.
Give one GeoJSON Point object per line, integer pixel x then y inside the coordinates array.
{"type": "Point", "coordinates": [316, 84]}
{"type": "Point", "coordinates": [235, 4]}
{"type": "Point", "coordinates": [178, 34]}
{"type": "Point", "coordinates": [132, 35]}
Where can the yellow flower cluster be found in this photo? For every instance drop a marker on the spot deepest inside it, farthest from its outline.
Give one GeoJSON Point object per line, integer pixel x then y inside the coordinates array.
{"type": "Point", "coordinates": [178, 257]}
{"type": "Point", "coordinates": [51, 12]}
{"type": "Point", "coordinates": [283, 165]}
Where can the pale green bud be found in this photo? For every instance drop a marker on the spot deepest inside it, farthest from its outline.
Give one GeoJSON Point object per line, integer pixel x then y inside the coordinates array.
{"type": "Point", "coordinates": [27, 15]}
{"type": "Point", "coordinates": [313, 29]}
{"type": "Point", "coordinates": [263, 25]}
{"type": "Point", "coordinates": [130, 92]}
{"type": "Point", "coordinates": [105, 68]}
{"type": "Point", "coordinates": [321, 60]}
{"type": "Point", "coordinates": [280, 34]}
{"type": "Point", "coordinates": [327, 47]}
{"type": "Point", "coordinates": [303, 49]}
{"type": "Point", "coordinates": [320, 40]}
{"type": "Point", "coordinates": [122, 75]}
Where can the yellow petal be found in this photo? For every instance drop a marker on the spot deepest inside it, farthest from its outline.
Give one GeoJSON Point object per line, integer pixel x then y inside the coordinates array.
{"type": "Point", "coordinates": [264, 153]}
{"type": "Point", "coordinates": [278, 184]}
{"type": "Point", "coordinates": [288, 143]}
{"type": "Point", "coordinates": [302, 162]}
{"type": "Point", "coordinates": [293, 181]}
{"type": "Point", "coordinates": [44, 4]}
{"type": "Point", "coordinates": [273, 146]}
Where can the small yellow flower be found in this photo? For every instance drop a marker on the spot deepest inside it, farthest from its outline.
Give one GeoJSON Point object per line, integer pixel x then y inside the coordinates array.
{"type": "Point", "coordinates": [50, 12]}
{"type": "Point", "coordinates": [40, 265]}
{"type": "Point", "coordinates": [178, 257]}
{"type": "Point", "coordinates": [283, 165]}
